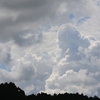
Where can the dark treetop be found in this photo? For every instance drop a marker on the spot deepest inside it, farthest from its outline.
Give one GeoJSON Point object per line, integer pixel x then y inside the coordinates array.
{"type": "Point", "coordinates": [9, 91]}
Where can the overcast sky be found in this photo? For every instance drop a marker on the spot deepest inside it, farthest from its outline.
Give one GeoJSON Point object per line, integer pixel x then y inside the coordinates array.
{"type": "Point", "coordinates": [51, 45]}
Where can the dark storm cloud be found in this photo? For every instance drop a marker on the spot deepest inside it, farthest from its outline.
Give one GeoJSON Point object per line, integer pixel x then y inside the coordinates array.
{"type": "Point", "coordinates": [30, 10]}
{"type": "Point", "coordinates": [24, 4]}
{"type": "Point", "coordinates": [19, 16]}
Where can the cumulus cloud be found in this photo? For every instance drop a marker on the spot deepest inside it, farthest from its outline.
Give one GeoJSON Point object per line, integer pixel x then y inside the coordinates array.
{"type": "Point", "coordinates": [28, 70]}
{"type": "Point", "coordinates": [78, 67]}
{"type": "Point", "coordinates": [70, 40]}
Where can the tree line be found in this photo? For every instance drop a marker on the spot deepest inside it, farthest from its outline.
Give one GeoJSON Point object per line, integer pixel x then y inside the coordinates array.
{"type": "Point", "coordinates": [9, 91]}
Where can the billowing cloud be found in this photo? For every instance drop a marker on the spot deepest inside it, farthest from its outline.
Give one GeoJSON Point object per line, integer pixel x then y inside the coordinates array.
{"type": "Point", "coordinates": [78, 67]}
{"type": "Point", "coordinates": [70, 40]}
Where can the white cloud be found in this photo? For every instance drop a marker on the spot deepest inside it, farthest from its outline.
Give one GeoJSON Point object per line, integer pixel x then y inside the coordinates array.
{"type": "Point", "coordinates": [77, 69]}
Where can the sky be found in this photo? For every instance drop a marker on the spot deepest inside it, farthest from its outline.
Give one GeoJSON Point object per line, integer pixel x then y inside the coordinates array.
{"type": "Point", "coordinates": [51, 46]}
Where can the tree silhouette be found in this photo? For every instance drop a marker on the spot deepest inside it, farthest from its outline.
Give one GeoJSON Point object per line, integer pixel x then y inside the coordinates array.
{"type": "Point", "coordinates": [9, 91]}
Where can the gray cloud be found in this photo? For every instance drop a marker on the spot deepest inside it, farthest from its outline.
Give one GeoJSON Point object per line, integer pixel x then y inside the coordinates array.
{"type": "Point", "coordinates": [23, 16]}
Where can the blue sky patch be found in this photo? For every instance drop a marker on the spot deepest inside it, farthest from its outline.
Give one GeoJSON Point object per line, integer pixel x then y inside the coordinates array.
{"type": "Point", "coordinates": [2, 66]}
{"type": "Point", "coordinates": [71, 16]}
{"type": "Point", "coordinates": [82, 20]}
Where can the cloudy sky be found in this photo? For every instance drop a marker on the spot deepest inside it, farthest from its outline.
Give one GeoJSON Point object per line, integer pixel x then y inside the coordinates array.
{"type": "Point", "coordinates": [51, 45]}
